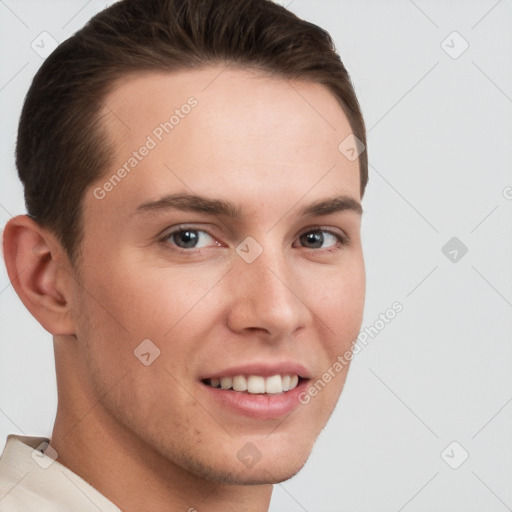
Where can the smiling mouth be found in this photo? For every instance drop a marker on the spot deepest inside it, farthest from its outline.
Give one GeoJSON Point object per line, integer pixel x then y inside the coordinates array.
{"type": "Point", "coordinates": [256, 384]}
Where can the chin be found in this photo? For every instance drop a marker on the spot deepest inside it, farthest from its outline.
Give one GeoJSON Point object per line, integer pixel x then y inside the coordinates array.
{"type": "Point", "coordinates": [262, 473]}
{"type": "Point", "coordinates": [271, 465]}
{"type": "Point", "coordinates": [272, 475]}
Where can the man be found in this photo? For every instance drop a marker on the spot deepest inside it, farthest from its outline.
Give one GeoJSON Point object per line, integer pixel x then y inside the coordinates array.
{"type": "Point", "coordinates": [193, 171]}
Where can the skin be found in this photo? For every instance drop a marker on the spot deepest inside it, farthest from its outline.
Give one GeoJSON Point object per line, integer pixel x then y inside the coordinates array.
{"type": "Point", "coordinates": [147, 437]}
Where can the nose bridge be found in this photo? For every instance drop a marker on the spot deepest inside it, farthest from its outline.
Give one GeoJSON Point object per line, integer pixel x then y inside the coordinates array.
{"type": "Point", "coordinates": [265, 293]}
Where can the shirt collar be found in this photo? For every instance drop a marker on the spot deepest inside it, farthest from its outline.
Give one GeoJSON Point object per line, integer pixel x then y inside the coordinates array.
{"type": "Point", "coordinates": [31, 478]}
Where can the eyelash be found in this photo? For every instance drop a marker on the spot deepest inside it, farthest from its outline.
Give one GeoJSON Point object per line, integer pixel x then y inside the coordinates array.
{"type": "Point", "coordinates": [343, 240]}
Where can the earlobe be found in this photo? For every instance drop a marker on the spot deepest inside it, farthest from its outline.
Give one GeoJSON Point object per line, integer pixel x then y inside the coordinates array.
{"type": "Point", "coordinates": [34, 263]}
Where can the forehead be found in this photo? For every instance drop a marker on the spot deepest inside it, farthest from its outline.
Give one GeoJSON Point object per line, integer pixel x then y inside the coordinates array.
{"type": "Point", "coordinates": [225, 132]}
{"type": "Point", "coordinates": [236, 90]}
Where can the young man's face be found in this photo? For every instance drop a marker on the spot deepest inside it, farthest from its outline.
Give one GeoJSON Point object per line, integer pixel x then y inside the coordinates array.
{"type": "Point", "coordinates": [265, 291]}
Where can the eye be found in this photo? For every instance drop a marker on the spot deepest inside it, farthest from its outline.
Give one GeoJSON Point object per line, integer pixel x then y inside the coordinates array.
{"type": "Point", "coordinates": [315, 239]}
{"type": "Point", "coordinates": [186, 238]}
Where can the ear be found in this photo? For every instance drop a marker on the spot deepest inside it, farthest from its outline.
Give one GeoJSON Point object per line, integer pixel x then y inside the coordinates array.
{"type": "Point", "coordinates": [40, 273]}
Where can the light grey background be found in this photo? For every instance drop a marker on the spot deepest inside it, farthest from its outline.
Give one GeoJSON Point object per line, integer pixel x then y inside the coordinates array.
{"type": "Point", "coordinates": [440, 132]}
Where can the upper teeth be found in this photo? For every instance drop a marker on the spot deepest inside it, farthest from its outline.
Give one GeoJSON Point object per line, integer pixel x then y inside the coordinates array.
{"type": "Point", "coordinates": [256, 383]}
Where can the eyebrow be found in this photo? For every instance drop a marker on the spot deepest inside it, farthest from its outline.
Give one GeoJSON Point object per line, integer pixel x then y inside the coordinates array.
{"type": "Point", "coordinates": [201, 204]}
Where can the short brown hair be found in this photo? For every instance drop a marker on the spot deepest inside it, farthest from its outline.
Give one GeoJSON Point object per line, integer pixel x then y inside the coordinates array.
{"type": "Point", "coordinates": [61, 146]}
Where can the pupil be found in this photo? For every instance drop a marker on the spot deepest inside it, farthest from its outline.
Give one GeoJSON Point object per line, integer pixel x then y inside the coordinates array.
{"type": "Point", "coordinates": [186, 238]}
{"type": "Point", "coordinates": [314, 237]}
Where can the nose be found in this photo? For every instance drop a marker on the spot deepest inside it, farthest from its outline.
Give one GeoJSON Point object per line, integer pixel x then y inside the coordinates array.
{"type": "Point", "coordinates": [267, 296]}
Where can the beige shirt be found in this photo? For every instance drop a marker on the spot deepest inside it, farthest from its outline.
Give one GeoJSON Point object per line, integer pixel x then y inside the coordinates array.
{"type": "Point", "coordinates": [31, 480]}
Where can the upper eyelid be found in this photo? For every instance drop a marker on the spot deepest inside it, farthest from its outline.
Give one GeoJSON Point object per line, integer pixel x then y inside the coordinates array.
{"type": "Point", "coordinates": [166, 233]}
{"type": "Point", "coordinates": [183, 227]}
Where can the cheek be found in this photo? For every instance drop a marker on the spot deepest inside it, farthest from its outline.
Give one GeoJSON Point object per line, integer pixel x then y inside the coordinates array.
{"type": "Point", "coordinates": [116, 315]}
{"type": "Point", "coordinates": [340, 303]}
{"type": "Point", "coordinates": [129, 304]}
{"type": "Point", "coordinates": [139, 302]}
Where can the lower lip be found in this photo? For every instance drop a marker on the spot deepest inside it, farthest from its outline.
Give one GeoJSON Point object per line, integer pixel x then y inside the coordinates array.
{"type": "Point", "coordinates": [260, 406]}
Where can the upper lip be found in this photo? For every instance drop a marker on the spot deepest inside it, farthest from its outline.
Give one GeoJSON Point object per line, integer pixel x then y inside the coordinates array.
{"type": "Point", "coordinates": [263, 369]}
